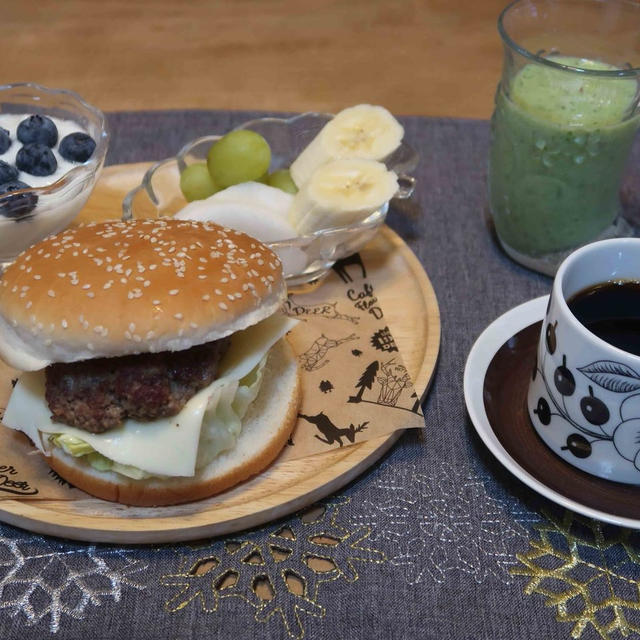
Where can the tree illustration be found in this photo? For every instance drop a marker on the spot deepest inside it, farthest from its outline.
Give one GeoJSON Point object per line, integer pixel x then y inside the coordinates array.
{"type": "Point", "coordinates": [366, 381]}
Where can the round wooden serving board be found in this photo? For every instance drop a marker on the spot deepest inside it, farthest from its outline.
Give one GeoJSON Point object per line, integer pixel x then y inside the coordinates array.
{"type": "Point", "coordinates": [410, 305]}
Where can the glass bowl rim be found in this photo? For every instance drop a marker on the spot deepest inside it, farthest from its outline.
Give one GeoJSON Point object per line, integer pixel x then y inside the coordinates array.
{"type": "Point", "coordinates": [372, 221]}
{"type": "Point", "coordinates": [82, 172]}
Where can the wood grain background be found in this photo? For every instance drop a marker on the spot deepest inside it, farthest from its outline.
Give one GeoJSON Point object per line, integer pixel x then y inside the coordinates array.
{"type": "Point", "coordinates": [416, 57]}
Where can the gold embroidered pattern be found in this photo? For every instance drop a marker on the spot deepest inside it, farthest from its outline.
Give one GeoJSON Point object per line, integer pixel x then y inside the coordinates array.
{"type": "Point", "coordinates": [588, 571]}
{"type": "Point", "coordinates": [279, 572]}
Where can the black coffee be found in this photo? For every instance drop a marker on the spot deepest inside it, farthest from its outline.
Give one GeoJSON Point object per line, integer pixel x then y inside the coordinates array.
{"type": "Point", "coordinates": [611, 310]}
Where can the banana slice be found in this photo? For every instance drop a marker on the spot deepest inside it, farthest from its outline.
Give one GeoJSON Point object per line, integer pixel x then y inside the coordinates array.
{"type": "Point", "coordinates": [340, 193]}
{"type": "Point", "coordinates": [364, 131]}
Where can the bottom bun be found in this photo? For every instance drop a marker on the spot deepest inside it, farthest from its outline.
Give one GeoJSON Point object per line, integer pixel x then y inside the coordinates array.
{"type": "Point", "coordinates": [266, 428]}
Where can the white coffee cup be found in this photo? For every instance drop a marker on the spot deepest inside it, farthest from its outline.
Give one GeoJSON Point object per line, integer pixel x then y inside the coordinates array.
{"type": "Point", "coordinates": [584, 396]}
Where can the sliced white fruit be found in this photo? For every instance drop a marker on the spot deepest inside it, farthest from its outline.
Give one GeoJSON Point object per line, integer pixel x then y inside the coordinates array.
{"type": "Point", "coordinates": [363, 131]}
{"type": "Point", "coordinates": [251, 207]}
{"type": "Point", "coordinates": [341, 193]}
{"type": "Point", "coordinates": [256, 209]}
{"type": "Point", "coordinates": [256, 193]}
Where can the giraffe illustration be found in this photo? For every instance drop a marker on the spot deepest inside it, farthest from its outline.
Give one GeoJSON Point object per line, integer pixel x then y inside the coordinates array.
{"type": "Point", "coordinates": [314, 357]}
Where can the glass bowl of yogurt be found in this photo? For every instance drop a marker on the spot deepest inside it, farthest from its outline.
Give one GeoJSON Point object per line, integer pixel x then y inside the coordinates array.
{"type": "Point", "coordinates": [36, 206]}
{"type": "Point", "coordinates": [257, 209]}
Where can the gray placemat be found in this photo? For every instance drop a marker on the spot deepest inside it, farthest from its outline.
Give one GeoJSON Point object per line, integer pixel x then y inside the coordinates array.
{"type": "Point", "coordinates": [436, 541]}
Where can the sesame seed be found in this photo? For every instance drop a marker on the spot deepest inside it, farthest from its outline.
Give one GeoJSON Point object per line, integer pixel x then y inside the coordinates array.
{"type": "Point", "coordinates": [223, 306]}
{"type": "Point", "coordinates": [173, 292]}
{"type": "Point", "coordinates": [178, 316]}
{"type": "Point", "coordinates": [206, 296]}
{"type": "Point", "coordinates": [51, 293]}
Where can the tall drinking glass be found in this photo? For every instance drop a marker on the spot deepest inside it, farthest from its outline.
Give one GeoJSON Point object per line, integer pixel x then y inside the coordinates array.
{"type": "Point", "coordinates": [566, 115]}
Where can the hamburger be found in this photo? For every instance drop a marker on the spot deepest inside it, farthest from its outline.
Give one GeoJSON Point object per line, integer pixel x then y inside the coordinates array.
{"type": "Point", "coordinates": [156, 365]}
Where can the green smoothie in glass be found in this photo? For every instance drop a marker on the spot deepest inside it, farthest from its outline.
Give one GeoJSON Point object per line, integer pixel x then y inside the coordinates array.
{"type": "Point", "coordinates": [560, 142]}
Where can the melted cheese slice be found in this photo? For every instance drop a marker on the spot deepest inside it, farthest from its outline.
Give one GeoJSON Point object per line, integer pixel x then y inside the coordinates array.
{"type": "Point", "coordinates": [166, 446]}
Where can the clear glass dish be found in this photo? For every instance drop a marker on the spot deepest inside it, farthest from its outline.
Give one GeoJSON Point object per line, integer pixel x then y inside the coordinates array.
{"type": "Point", "coordinates": [58, 203]}
{"type": "Point", "coordinates": [304, 258]}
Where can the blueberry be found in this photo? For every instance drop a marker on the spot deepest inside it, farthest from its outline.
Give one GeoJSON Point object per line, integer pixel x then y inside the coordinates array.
{"type": "Point", "coordinates": [5, 140]}
{"type": "Point", "coordinates": [38, 129]}
{"type": "Point", "coordinates": [17, 205]}
{"type": "Point", "coordinates": [8, 172]}
{"type": "Point", "coordinates": [36, 159]}
{"type": "Point", "coordinates": [77, 147]}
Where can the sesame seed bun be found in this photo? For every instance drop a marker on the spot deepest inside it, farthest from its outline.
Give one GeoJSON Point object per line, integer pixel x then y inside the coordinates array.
{"type": "Point", "coordinates": [265, 430]}
{"type": "Point", "coordinates": [118, 288]}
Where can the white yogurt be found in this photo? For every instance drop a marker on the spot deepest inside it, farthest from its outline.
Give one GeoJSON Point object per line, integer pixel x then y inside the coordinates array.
{"type": "Point", "coordinates": [54, 211]}
{"type": "Point", "coordinates": [10, 122]}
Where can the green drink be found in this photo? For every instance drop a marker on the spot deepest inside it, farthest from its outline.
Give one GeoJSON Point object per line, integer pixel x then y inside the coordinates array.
{"type": "Point", "coordinates": [563, 125]}
{"type": "Point", "coordinates": [559, 148]}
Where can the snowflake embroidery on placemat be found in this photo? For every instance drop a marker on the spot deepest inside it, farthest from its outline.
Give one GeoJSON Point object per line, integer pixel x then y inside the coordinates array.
{"type": "Point", "coordinates": [588, 571]}
{"type": "Point", "coordinates": [42, 578]}
{"type": "Point", "coordinates": [277, 571]}
{"type": "Point", "coordinates": [443, 522]}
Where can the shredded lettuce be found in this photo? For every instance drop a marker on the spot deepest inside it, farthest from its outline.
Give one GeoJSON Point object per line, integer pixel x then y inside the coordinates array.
{"type": "Point", "coordinates": [221, 427]}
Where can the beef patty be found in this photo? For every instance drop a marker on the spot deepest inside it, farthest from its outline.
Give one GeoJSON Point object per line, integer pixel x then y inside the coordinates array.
{"type": "Point", "coordinates": [98, 395]}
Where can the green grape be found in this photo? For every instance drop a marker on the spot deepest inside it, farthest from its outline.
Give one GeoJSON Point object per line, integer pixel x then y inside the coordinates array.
{"type": "Point", "coordinates": [196, 182]}
{"type": "Point", "coordinates": [281, 179]}
{"type": "Point", "coordinates": [239, 156]}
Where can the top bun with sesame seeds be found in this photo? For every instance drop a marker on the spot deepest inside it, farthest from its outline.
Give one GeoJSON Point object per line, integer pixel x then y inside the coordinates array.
{"type": "Point", "coordinates": [119, 288]}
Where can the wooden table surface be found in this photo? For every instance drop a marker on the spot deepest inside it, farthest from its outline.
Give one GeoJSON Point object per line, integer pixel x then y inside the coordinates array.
{"type": "Point", "coordinates": [416, 57]}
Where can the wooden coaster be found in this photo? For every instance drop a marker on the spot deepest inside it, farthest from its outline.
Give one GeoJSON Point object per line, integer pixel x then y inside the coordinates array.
{"type": "Point", "coordinates": [409, 304]}
{"type": "Point", "coordinates": [505, 400]}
